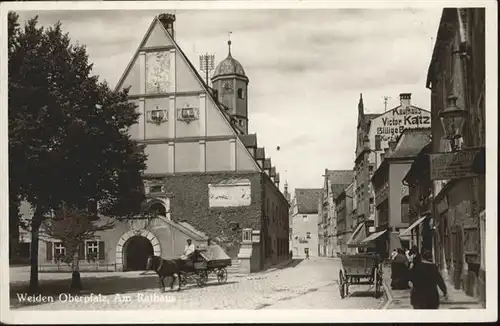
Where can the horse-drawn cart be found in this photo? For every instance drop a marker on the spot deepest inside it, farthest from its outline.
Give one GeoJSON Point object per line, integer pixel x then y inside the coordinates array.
{"type": "Point", "coordinates": [360, 269]}
{"type": "Point", "coordinates": [204, 262]}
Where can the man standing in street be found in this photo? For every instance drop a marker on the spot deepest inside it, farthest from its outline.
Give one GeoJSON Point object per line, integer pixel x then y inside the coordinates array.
{"type": "Point", "coordinates": [426, 279]}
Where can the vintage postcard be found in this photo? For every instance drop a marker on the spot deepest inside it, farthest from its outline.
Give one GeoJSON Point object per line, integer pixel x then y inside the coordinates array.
{"type": "Point", "coordinates": [248, 161]}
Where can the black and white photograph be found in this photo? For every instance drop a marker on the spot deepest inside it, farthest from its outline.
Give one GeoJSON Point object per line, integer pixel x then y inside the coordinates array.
{"type": "Point", "coordinates": [248, 161]}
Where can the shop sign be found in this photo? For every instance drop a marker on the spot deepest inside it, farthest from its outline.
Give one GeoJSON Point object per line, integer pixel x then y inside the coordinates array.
{"type": "Point", "coordinates": [392, 125]}
{"type": "Point", "coordinates": [453, 165]}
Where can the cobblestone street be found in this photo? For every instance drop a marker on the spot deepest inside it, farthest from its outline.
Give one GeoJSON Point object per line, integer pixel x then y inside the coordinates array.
{"type": "Point", "coordinates": [310, 284]}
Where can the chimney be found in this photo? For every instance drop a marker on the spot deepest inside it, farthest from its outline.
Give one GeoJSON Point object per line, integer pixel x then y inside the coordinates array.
{"type": "Point", "coordinates": [405, 99]}
{"type": "Point", "coordinates": [168, 22]}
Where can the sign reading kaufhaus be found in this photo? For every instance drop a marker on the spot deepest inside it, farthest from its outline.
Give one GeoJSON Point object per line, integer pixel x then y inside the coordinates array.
{"type": "Point", "coordinates": [394, 123]}
{"type": "Point", "coordinates": [453, 165]}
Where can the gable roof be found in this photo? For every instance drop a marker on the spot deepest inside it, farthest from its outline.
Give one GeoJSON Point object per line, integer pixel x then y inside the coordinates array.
{"type": "Point", "coordinates": [339, 180]}
{"type": "Point", "coordinates": [204, 86]}
{"type": "Point", "coordinates": [411, 142]}
{"type": "Point", "coordinates": [308, 200]}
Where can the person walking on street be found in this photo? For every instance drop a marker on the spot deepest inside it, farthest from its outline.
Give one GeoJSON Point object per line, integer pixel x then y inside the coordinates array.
{"type": "Point", "coordinates": [425, 279]}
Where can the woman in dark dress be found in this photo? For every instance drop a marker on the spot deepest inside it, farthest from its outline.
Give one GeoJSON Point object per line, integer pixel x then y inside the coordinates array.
{"type": "Point", "coordinates": [399, 271]}
{"type": "Point", "coordinates": [425, 279]}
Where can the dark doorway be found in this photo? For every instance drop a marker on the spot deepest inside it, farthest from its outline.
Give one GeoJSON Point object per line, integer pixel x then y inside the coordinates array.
{"type": "Point", "coordinates": [137, 251]}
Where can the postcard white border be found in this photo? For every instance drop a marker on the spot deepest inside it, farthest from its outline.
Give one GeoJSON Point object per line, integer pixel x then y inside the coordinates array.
{"type": "Point", "coordinates": [290, 316]}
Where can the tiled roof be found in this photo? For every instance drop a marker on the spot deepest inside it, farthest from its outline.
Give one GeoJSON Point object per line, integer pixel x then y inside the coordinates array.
{"type": "Point", "coordinates": [308, 200]}
{"type": "Point", "coordinates": [339, 179]}
{"type": "Point", "coordinates": [411, 142]}
{"type": "Point", "coordinates": [249, 140]}
{"type": "Point", "coordinates": [260, 153]}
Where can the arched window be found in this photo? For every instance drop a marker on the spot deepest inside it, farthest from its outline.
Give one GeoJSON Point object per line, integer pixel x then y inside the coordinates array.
{"type": "Point", "coordinates": [157, 209]}
{"type": "Point", "coordinates": [241, 93]}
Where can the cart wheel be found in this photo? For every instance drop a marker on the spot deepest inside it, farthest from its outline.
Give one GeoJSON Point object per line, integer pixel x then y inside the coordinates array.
{"type": "Point", "coordinates": [222, 275]}
{"type": "Point", "coordinates": [346, 291]}
{"type": "Point", "coordinates": [342, 284]}
{"type": "Point", "coordinates": [202, 278]}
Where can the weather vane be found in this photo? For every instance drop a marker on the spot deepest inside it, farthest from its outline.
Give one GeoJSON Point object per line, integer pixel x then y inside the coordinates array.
{"type": "Point", "coordinates": [229, 41]}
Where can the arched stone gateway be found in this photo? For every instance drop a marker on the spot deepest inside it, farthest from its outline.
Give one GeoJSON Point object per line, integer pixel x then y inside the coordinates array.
{"type": "Point", "coordinates": [130, 237]}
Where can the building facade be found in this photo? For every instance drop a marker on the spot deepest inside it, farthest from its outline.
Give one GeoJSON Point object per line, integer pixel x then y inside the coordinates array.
{"type": "Point", "coordinates": [374, 132]}
{"type": "Point", "coordinates": [334, 183]}
{"type": "Point", "coordinates": [392, 194]}
{"type": "Point", "coordinates": [345, 221]}
{"type": "Point", "coordinates": [458, 69]}
{"type": "Point", "coordinates": [206, 177]}
{"type": "Point", "coordinates": [305, 216]}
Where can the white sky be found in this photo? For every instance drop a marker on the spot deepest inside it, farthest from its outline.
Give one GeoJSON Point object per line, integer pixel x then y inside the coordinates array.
{"type": "Point", "coordinates": [306, 69]}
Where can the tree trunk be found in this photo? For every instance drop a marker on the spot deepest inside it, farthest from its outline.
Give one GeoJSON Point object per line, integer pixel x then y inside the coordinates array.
{"type": "Point", "coordinates": [76, 283]}
{"type": "Point", "coordinates": [34, 287]}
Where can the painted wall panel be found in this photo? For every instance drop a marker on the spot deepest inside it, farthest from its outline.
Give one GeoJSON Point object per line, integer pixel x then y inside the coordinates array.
{"type": "Point", "coordinates": [159, 72]}
{"type": "Point", "coordinates": [154, 130]}
{"type": "Point", "coordinates": [158, 37]}
{"type": "Point", "coordinates": [218, 155]}
{"type": "Point", "coordinates": [187, 128]}
{"type": "Point", "coordinates": [157, 161]}
{"type": "Point", "coordinates": [216, 126]}
{"type": "Point", "coordinates": [392, 124]}
{"type": "Point", "coordinates": [185, 78]}
{"type": "Point", "coordinates": [187, 157]}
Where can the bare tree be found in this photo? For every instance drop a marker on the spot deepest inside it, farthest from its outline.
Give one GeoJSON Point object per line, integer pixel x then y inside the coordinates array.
{"type": "Point", "coordinates": [72, 227]}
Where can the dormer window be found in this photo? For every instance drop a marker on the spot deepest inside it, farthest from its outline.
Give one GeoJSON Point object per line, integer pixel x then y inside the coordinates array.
{"type": "Point", "coordinates": [154, 189]}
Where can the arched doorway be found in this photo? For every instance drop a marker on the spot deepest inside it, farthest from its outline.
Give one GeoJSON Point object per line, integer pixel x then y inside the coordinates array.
{"type": "Point", "coordinates": [137, 251]}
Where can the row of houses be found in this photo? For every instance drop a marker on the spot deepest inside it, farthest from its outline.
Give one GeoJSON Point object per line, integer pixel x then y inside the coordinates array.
{"type": "Point", "coordinates": [419, 175]}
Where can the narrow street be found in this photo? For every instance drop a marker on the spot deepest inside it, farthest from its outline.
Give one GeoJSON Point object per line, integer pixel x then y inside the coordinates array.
{"type": "Point", "coordinates": [311, 284]}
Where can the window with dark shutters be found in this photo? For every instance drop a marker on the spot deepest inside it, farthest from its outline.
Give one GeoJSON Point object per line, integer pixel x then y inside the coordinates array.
{"type": "Point", "coordinates": [49, 250]}
{"type": "Point", "coordinates": [101, 250]}
{"type": "Point", "coordinates": [81, 251]}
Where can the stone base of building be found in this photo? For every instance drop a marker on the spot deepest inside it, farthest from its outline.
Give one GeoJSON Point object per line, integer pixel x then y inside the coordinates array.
{"type": "Point", "coordinates": [472, 285]}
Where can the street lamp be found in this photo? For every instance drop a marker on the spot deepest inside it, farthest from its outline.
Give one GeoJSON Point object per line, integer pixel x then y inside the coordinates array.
{"type": "Point", "coordinates": [453, 120]}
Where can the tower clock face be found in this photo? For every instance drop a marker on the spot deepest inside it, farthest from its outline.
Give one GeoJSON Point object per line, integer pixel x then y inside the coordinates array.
{"type": "Point", "coordinates": [228, 86]}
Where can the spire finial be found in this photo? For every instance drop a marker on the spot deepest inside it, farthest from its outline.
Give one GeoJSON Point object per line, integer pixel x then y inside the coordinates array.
{"type": "Point", "coordinates": [229, 42]}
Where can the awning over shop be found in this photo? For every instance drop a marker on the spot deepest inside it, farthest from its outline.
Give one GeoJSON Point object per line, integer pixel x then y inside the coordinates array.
{"type": "Point", "coordinates": [414, 225]}
{"type": "Point", "coordinates": [374, 236]}
{"type": "Point", "coordinates": [357, 236]}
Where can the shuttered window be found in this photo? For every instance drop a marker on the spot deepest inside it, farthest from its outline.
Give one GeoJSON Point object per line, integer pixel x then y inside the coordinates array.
{"type": "Point", "coordinates": [49, 251]}
{"type": "Point", "coordinates": [101, 250]}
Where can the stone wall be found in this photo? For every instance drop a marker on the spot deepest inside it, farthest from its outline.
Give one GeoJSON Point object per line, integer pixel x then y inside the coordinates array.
{"type": "Point", "coordinates": [190, 203]}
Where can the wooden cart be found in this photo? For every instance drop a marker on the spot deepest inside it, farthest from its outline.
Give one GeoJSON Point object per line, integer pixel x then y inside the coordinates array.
{"type": "Point", "coordinates": [206, 261]}
{"type": "Point", "coordinates": [360, 269]}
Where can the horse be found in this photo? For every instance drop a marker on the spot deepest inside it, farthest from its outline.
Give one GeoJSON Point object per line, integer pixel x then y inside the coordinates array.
{"type": "Point", "coordinates": [164, 268]}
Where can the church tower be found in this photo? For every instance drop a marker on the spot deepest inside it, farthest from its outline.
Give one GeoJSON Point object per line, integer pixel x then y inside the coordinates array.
{"type": "Point", "coordinates": [231, 84]}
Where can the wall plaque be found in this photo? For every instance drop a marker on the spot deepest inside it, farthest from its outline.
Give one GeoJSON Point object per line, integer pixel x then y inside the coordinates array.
{"type": "Point", "coordinates": [231, 193]}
